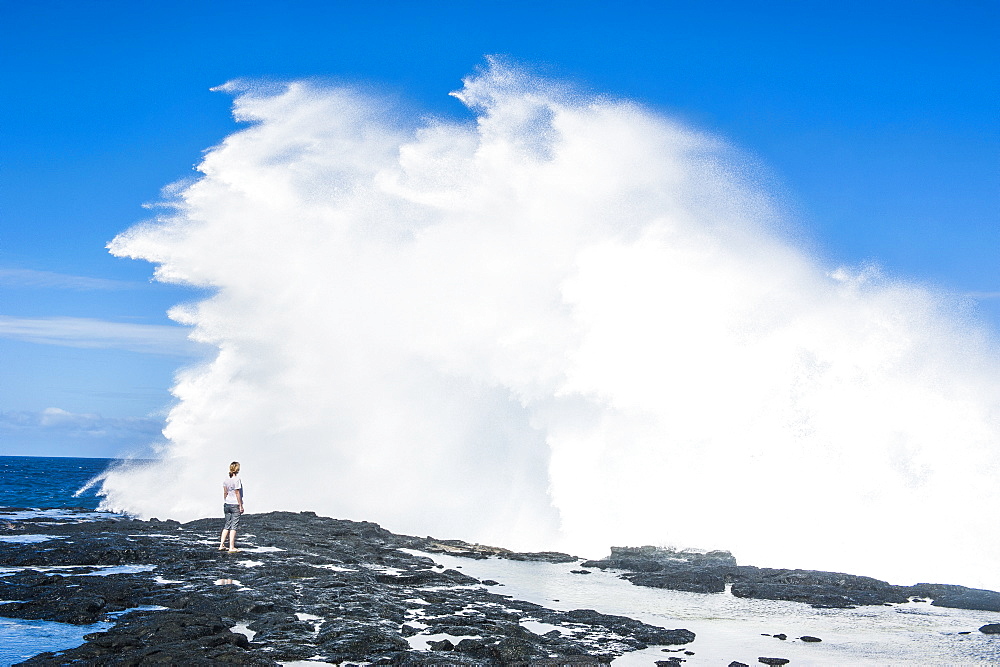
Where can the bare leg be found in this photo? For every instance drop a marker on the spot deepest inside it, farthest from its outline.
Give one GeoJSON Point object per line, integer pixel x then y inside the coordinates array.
{"type": "Point", "coordinates": [232, 540]}
{"type": "Point", "coordinates": [222, 540]}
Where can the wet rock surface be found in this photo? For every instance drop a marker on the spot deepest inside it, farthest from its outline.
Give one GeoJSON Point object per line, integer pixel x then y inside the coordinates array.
{"type": "Point", "coordinates": [303, 587]}
{"type": "Point", "coordinates": [712, 571]}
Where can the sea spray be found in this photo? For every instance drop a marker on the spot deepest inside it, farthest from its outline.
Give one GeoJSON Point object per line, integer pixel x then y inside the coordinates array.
{"type": "Point", "coordinates": [566, 323]}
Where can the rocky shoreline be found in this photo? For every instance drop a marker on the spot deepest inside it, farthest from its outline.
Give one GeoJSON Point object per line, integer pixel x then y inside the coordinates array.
{"type": "Point", "coordinates": [308, 587]}
{"type": "Point", "coordinates": [711, 572]}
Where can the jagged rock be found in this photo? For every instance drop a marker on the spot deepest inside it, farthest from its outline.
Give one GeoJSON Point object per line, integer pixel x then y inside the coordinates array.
{"type": "Point", "coordinates": [808, 638]}
{"type": "Point", "coordinates": [654, 559]}
{"type": "Point", "coordinates": [160, 637]}
{"type": "Point", "coordinates": [990, 629]}
{"type": "Point", "coordinates": [693, 580]}
{"type": "Point", "coordinates": [774, 661]}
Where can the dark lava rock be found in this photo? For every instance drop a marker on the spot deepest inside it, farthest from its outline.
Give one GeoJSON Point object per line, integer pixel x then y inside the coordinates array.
{"type": "Point", "coordinates": [693, 571]}
{"type": "Point", "coordinates": [357, 641]}
{"type": "Point", "coordinates": [808, 638]}
{"type": "Point", "coordinates": [821, 589]}
{"type": "Point", "coordinates": [736, 663]}
{"type": "Point", "coordinates": [579, 571]}
{"type": "Point", "coordinates": [80, 599]}
{"type": "Point", "coordinates": [774, 661]}
{"type": "Point", "coordinates": [654, 559]}
{"type": "Point", "coordinates": [627, 627]}
{"type": "Point", "coordinates": [958, 597]}
{"type": "Point", "coordinates": [990, 629]}
{"type": "Point", "coordinates": [160, 637]}
{"type": "Point", "coordinates": [781, 635]}
{"type": "Point", "coordinates": [481, 551]}
{"type": "Point", "coordinates": [693, 580]}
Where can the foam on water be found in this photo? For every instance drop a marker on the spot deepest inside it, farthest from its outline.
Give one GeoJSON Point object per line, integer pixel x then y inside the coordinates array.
{"type": "Point", "coordinates": [564, 322]}
{"type": "Point", "coordinates": [80, 570]}
{"type": "Point", "coordinates": [29, 539]}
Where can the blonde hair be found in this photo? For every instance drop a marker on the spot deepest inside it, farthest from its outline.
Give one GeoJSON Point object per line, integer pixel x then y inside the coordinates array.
{"type": "Point", "coordinates": [234, 468]}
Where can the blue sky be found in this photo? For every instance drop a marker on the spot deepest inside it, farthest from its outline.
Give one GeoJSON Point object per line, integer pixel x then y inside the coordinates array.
{"type": "Point", "coordinates": [876, 122]}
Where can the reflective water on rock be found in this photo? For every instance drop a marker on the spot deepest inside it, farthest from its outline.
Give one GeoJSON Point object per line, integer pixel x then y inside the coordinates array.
{"type": "Point", "coordinates": [730, 628]}
{"type": "Point", "coordinates": [20, 639]}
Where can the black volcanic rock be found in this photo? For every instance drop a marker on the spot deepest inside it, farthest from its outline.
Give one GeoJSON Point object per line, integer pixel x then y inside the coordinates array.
{"type": "Point", "coordinates": [990, 629]}
{"type": "Point", "coordinates": [481, 551]}
{"type": "Point", "coordinates": [821, 589]}
{"type": "Point", "coordinates": [694, 580]}
{"type": "Point", "coordinates": [958, 597]}
{"type": "Point", "coordinates": [654, 559]}
{"type": "Point", "coordinates": [160, 637]}
{"type": "Point", "coordinates": [693, 571]}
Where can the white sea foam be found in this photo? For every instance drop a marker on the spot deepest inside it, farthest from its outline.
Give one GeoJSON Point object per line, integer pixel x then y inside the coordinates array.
{"type": "Point", "coordinates": [29, 539]}
{"type": "Point", "coordinates": [567, 322]}
{"type": "Point", "coordinates": [80, 570]}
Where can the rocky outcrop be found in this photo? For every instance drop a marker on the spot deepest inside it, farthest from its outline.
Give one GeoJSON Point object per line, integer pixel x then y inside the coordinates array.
{"type": "Point", "coordinates": [820, 589]}
{"type": "Point", "coordinates": [958, 597]}
{"type": "Point", "coordinates": [693, 571]}
{"type": "Point", "coordinates": [481, 551]}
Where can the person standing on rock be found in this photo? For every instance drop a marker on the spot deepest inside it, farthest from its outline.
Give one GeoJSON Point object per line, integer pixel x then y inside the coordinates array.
{"type": "Point", "coordinates": [232, 508]}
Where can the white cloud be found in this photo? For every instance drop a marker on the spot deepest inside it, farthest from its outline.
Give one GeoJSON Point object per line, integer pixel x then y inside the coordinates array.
{"type": "Point", "coordinates": [33, 278]}
{"type": "Point", "coordinates": [93, 333]}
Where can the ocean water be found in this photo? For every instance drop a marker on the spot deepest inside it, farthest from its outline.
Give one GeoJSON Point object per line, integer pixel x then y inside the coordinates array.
{"type": "Point", "coordinates": [30, 486]}
{"type": "Point", "coordinates": [47, 482]}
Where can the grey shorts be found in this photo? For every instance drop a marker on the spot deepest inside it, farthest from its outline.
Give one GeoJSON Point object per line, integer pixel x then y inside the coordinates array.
{"type": "Point", "coordinates": [232, 513]}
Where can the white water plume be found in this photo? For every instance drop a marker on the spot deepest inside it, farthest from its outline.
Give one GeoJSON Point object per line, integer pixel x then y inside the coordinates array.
{"type": "Point", "coordinates": [567, 324]}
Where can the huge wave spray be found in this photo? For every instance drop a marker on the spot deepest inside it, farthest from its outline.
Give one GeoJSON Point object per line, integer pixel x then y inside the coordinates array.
{"type": "Point", "coordinates": [569, 323]}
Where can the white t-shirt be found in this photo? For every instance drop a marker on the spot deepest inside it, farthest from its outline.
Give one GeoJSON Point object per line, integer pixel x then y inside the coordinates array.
{"type": "Point", "coordinates": [230, 485]}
